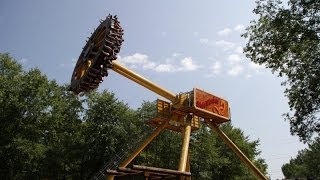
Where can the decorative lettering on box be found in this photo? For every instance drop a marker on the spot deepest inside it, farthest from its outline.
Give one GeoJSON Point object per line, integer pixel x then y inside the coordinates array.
{"type": "Point", "coordinates": [211, 103]}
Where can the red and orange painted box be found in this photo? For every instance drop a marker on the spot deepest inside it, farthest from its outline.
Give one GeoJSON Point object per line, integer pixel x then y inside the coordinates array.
{"type": "Point", "coordinates": [209, 106]}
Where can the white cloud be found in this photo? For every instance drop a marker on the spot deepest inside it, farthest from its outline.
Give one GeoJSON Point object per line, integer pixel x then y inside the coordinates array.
{"type": "Point", "coordinates": [248, 76]}
{"type": "Point", "coordinates": [227, 31]}
{"type": "Point", "coordinates": [149, 65]}
{"type": "Point", "coordinates": [253, 65]}
{"type": "Point", "coordinates": [176, 54]}
{"type": "Point", "coordinates": [224, 44]}
{"type": "Point", "coordinates": [179, 63]}
{"type": "Point", "coordinates": [256, 67]}
{"type": "Point", "coordinates": [164, 68]}
{"type": "Point", "coordinates": [236, 65]}
{"type": "Point", "coordinates": [216, 67]}
{"type": "Point", "coordinates": [239, 50]}
{"type": "Point", "coordinates": [136, 58]}
{"type": "Point", "coordinates": [239, 27]}
{"type": "Point", "coordinates": [204, 41]}
{"type": "Point", "coordinates": [139, 60]}
{"type": "Point", "coordinates": [188, 64]}
{"type": "Point", "coordinates": [196, 34]}
{"type": "Point", "coordinates": [173, 58]}
{"type": "Point", "coordinates": [234, 58]}
{"type": "Point", "coordinates": [234, 61]}
{"type": "Point", "coordinates": [224, 32]}
{"type": "Point", "coordinates": [235, 70]}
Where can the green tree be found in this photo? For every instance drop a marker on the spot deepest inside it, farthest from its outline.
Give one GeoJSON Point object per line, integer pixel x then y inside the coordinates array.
{"type": "Point", "coordinates": [211, 158]}
{"type": "Point", "coordinates": [306, 164]}
{"type": "Point", "coordinates": [64, 136]}
{"type": "Point", "coordinates": [24, 103]}
{"type": "Point", "coordinates": [285, 38]}
{"type": "Point", "coordinates": [38, 126]}
{"type": "Point", "coordinates": [110, 124]}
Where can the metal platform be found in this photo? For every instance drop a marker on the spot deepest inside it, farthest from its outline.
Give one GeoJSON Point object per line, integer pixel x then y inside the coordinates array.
{"type": "Point", "coordinates": [144, 172]}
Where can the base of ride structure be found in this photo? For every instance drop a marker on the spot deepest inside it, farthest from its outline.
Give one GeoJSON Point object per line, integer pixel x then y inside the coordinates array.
{"type": "Point", "coordinates": [184, 114]}
{"type": "Point", "coordinates": [145, 172]}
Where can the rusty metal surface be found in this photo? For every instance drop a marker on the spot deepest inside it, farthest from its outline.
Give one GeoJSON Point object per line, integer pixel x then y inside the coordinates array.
{"type": "Point", "coordinates": [97, 56]}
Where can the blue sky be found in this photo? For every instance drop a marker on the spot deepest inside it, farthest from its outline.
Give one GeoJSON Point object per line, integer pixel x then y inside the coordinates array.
{"type": "Point", "coordinates": [177, 44]}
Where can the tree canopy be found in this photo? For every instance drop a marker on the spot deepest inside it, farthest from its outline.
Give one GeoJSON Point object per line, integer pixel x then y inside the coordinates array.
{"type": "Point", "coordinates": [47, 132]}
{"type": "Point", "coordinates": [285, 38]}
{"type": "Point", "coordinates": [306, 164]}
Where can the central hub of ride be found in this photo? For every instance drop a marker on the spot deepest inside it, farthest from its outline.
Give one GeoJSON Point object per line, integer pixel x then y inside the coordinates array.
{"type": "Point", "coordinates": [191, 107]}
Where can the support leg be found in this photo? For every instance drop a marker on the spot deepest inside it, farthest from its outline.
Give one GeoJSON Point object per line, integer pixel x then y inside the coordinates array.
{"type": "Point", "coordinates": [188, 169]}
{"type": "Point", "coordinates": [143, 145]}
{"type": "Point", "coordinates": [238, 152]}
{"type": "Point", "coordinates": [185, 148]}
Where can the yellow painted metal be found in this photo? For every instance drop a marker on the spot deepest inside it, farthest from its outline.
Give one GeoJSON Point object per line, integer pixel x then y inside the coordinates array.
{"type": "Point", "coordinates": [188, 168]}
{"type": "Point", "coordinates": [163, 109]}
{"type": "Point", "coordinates": [181, 100]}
{"type": "Point", "coordinates": [238, 152]}
{"type": "Point", "coordinates": [143, 81]}
{"type": "Point", "coordinates": [143, 145]}
{"type": "Point", "coordinates": [195, 122]}
{"type": "Point", "coordinates": [178, 103]}
{"type": "Point", "coordinates": [185, 147]}
{"type": "Point", "coordinates": [82, 68]}
{"type": "Point", "coordinates": [110, 177]}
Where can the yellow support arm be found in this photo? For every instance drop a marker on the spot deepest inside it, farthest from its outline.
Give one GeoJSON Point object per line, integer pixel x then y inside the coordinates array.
{"type": "Point", "coordinates": [238, 152]}
{"type": "Point", "coordinates": [143, 145]}
{"type": "Point", "coordinates": [143, 81]}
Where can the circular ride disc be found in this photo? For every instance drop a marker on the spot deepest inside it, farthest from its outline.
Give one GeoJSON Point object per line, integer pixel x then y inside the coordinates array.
{"type": "Point", "coordinates": [97, 56]}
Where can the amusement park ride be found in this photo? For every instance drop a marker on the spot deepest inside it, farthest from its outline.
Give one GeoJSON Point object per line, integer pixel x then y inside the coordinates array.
{"type": "Point", "coordinates": [183, 112]}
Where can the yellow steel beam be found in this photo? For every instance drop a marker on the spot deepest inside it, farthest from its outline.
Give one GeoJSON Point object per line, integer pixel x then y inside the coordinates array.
{"type": "Point", "coordinates": [185, 148]}
{"type": "Point", "coordinates": [235, 149]}
{"type": "Point", "coordinates": [143, 145]}
{"type": "Point", "coordinates": [110, 177]}
{"type": "Point", "coordinates": [143, 81]}
{"type": "Point", "coordinates": [188, 169]}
